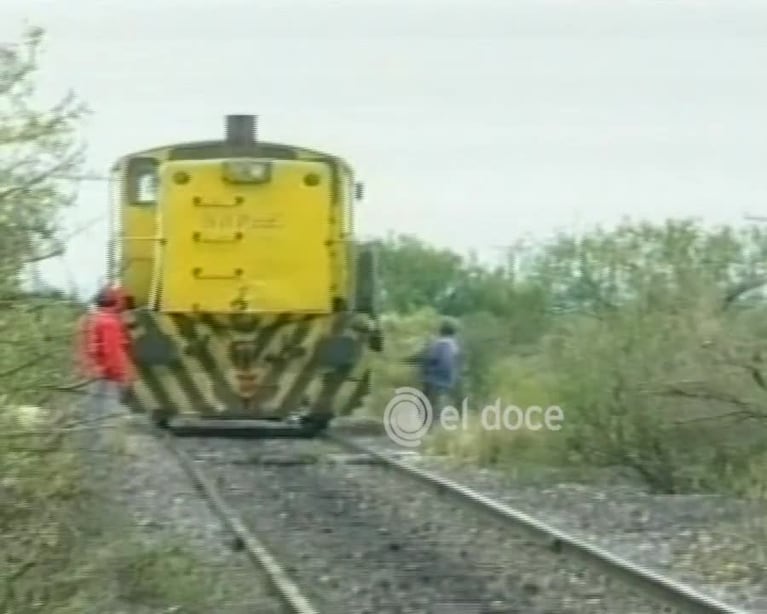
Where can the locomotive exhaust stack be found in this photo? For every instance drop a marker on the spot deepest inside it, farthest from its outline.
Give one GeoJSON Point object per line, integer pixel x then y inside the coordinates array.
{"type": "Point", "coordinates": [241, 129]}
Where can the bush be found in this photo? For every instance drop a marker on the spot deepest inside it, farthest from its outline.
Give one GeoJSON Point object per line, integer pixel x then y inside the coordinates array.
{"type": "Point", "coordinates": [652, 343]}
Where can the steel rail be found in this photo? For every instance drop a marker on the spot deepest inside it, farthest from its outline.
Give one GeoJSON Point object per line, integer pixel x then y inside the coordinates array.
{"type": "Point", "coordinates": [668, 591]}
{"type": "Point", "coordinates": [287, 590]}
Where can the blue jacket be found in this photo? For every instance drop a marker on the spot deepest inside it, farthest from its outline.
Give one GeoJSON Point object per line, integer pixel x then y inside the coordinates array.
{"type": "Point", "coordinates": [440, 363]}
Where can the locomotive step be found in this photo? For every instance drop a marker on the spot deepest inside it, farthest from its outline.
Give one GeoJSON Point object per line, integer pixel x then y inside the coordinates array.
{"type": "Point", "coordinates": [192, 426]}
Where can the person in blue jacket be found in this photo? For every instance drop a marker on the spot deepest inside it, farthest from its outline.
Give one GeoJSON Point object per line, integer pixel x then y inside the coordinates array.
{"type": "Point", "coordinates": [439, 365]}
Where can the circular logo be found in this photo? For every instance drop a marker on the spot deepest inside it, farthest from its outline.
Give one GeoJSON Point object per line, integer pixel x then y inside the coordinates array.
{"type": "Point", "coordinates": [408, 417]}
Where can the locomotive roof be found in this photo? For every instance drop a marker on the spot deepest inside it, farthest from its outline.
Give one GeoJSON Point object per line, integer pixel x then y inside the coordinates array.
{"type": "Point", "coordinates": [268, 149]}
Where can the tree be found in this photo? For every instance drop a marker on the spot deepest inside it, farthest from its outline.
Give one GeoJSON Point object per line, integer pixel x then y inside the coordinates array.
{"type": "Point", "coordinates": [415, 275]}
{"type": "Point", "coordinates": [497, 312]}
{"type": "Point", "coordinates": [655, 367]}
{"type": "Point", "coordinates": [39, 155]}
{"type": "Point", "coordinates": [603, 270]}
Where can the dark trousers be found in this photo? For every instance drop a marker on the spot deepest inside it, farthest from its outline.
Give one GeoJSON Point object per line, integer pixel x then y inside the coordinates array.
{"type": "Point", "coordinates": [439, 397]}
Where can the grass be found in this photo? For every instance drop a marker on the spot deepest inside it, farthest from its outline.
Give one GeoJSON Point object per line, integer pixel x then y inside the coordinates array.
{"type": "Point", "coordinates": [520, 453]}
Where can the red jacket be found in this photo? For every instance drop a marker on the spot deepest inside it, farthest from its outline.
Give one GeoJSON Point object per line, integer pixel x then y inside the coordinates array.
{"type": "Point", "coordinates": [105, 347]}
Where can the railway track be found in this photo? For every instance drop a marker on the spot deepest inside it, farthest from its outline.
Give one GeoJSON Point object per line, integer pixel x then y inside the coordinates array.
{"type": "Point", "coordinates": [338, 533]}
{"type": "Point", "coordinates": [284, 588]}
{"type": "Point", "coordinates": [668, 592]}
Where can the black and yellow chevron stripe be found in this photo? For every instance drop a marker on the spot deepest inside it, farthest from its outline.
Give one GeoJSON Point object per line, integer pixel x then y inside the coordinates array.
{"type": "Point", "coordinates": [221, 366]}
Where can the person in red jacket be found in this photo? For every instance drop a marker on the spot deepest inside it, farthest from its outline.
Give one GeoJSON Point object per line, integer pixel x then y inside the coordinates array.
{"type": "Point", "coordinates": [107, 341]}
{"type": "Point", "coordinates": [105, 347]}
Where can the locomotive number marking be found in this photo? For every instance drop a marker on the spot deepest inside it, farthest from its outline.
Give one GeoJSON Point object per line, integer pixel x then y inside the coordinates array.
{"type": "Point", "coordinates": [239, 222]}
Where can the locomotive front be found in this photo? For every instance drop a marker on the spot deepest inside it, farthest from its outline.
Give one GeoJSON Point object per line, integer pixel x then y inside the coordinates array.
{"type": "Point", "coordinates": [253, 303]}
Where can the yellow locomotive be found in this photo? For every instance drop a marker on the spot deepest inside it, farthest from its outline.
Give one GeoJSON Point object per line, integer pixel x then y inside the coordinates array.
{"type": "Point", "coordinates": [251, 303]}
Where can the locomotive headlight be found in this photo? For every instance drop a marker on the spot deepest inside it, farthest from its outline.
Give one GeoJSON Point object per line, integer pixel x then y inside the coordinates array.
{"type": "Point", "coordinates": [246, 171]}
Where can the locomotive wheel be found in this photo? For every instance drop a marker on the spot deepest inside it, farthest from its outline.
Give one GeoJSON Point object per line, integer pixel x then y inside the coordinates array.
{"type": "Point", "coordinates": [160, 419]}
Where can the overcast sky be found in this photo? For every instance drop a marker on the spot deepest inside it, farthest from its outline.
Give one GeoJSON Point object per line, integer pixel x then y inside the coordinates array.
{"type": "Point", "coordinates": [472, 123]}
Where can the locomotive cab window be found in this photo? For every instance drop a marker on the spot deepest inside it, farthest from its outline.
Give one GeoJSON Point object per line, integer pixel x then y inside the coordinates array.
{"type": "Point", "coordinates": [142, 181]}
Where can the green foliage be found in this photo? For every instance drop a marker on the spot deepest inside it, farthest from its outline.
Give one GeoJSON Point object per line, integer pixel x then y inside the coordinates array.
{"type": "Point", "coordinates": [650, 263]}
{"type": "Point", "coordinates": [38, 473]}
{"type": "Point", "coordinates": [36, 345]}
{"type": "Point", "coordinates": [485, 340]}
{"type": "Point", "coordinates": [415, 275]}
{"type": "Point", "coordinates": [38, 155]}
{"type": "Point", "coordinates": [660, 349]}
{"type": "Point", "coordinates": [38, 478]}
{"type": "Point", "coordinates": [496, 312]}
{"type": "Point", "coordinates": [650, 337]}
{"type": "Point", "coordinates": [167, 573]}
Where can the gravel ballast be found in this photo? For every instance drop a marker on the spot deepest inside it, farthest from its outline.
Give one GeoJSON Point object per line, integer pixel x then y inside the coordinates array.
{"type": "Point", "coordinates": [712, 543]}
{"type": "Point", "coordinates": [359, 538]}
{"type": "Point", "coordinates": [142, 494]}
